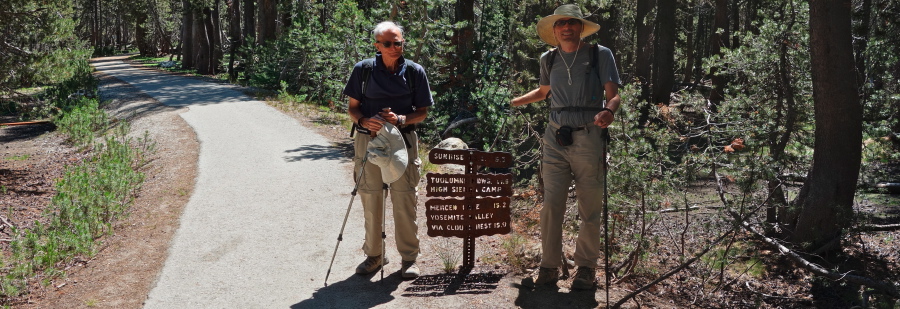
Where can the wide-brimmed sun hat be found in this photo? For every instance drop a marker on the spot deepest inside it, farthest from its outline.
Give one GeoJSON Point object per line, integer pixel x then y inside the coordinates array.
{"type": "Point", "coordinates": [388, 151]}
{"type": "Point", "coordinates": [545, 25]}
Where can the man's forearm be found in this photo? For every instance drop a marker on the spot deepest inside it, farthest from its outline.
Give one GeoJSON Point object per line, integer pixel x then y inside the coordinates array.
{"type": "Point", "coordinates": [530, 97]}
{"type": "Point", "coordinates": [417, 116]}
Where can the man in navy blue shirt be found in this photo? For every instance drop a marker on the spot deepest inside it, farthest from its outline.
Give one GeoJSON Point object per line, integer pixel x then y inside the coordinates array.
{"type": "Point", "coordinates": [388, 89]}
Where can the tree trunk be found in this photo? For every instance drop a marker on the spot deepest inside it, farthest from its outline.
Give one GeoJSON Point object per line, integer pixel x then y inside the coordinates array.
{"type": "Point", "coordinates": [268, 16]}
{"type": "Point", "coordinates": [665, 52]}
{"type": "Point", "coordinates": [215, 34]}
{"type": "Point", "coordinates": [95, 23]}
{"type": "Point", "coordinates": [285, 18]}
{"type": "Point", "coordinates": [826, 198]}
{"type": "Point", "coordinates": [642, 63]}
{"type": "Point", "coordinates": [249, 22]}
{"type": "Point", "coordinates": [786, 118]}
{"type": "Point", "coordinates": [688, 26]}
{"type": "Point", "coordinates": [206, 55]}
{"type": "Point", "coordinates": [702, 46]}
{"type": "Point", "coordinates": [608, 34]}
{"type": "Point", "coordinates": [718, 40]}
{"type": "Point", "coordinates": [735, 25]}
{"type": "Point", "coordinates": [140, 33]}
{"type": "Point", "coordinates": [234, 14]}
{"type": "Point", "coordinates": [862, 43]}
{"type": "Point", "coordinates": [120, 33]}
{"type": "Point", "coordinates": [187, 37]}
{"type": "Point", "coordinates": [199, 43]}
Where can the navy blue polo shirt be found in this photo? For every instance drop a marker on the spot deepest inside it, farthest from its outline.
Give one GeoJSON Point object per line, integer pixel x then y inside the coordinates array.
{"type": "Point", "coordinates": [389, 89]}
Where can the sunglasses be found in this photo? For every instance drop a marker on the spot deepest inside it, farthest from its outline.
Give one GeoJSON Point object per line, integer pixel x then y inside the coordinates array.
{"type": "Point", "coordinates": [572, 21]}
{"type": "Point", "coordinates": [389, 44]}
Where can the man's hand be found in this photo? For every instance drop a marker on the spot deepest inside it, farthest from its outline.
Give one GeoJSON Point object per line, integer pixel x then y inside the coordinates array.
{"type": "Point", "coordinates": [604, 118]}
{"type": "Point", "coordinates": [372, 124]}
{"type": "Point", "coordinates": [390, 117]}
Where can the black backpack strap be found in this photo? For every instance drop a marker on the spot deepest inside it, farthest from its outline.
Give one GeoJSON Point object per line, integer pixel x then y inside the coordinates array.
{"type": "Point", "coordinates": [367, 66]}
{"type": "Point", "coordinates": [550, 57]}
{"type": "Point", "coordinates": [410, 79]}
{"type": "Point", "coordinates": [595, 59]}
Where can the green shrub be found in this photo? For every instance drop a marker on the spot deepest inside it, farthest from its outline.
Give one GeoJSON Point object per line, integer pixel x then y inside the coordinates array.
{"type": "Point", "coordinates": [90, 197]}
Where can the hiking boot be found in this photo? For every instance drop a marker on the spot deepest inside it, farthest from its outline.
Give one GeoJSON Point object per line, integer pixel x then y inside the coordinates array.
{"type": "Point", "coordinates": [545, 276]}
{"type": "Point", "coordinates": [370, 265]}
{"type": "Point", "coordinates": [409, 270]}
{"type": "Point", "coordinates": [585, 278]}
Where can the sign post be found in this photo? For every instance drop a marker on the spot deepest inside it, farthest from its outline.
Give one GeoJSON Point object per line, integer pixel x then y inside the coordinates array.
{"type": "Point", "coordinates": [485, 198]}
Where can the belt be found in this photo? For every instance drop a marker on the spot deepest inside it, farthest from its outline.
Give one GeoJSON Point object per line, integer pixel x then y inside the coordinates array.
{"type": "Point", "coordinates": [405, 129]}
{"type": "Point", "coordinates": [556, 127]}
{"type": "Point", "coordinates": [577, 109]}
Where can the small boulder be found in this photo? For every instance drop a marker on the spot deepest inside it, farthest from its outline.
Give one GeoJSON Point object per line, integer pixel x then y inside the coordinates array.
{"type": "Point", "coordinates": [452, 143]}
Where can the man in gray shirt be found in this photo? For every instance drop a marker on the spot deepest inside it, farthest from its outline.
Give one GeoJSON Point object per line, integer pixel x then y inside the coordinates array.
{"type": "Point", "coordinates": [573, 143]}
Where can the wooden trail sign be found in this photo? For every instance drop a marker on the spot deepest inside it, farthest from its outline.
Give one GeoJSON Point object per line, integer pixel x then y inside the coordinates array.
{"type": "Point", "coordinates": [485, 198]}
{"type": "Point", "coordinates": [450, 218]}
{"type": "Point", "coordinates": [461, 185]}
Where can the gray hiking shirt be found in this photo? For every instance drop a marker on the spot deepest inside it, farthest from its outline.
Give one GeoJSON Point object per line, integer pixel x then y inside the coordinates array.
{"type": "Point", "coordinates": [579, 93]}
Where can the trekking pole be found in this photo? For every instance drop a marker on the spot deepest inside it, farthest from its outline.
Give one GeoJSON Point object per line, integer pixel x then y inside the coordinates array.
{"type": "Point", "coordinates": [383, 234]}
{"type": "Point", "coordinates": [606, 212]}
{"type": "Point", "coordinates": [362, 170]}
{"type": "Point", "coordinates": [565, 263]}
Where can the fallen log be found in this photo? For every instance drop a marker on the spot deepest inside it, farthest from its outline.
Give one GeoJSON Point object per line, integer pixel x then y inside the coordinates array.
{"type": "Point", "coordinates": [879, 227]}
{"type": "Point", "coordinates": [24, 123]}
{"type": "Point", "coordinates": [886, 288]}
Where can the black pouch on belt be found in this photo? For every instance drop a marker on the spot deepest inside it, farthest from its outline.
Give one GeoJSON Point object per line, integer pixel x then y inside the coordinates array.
{"type": "Point", "coordinates": [564, 136]}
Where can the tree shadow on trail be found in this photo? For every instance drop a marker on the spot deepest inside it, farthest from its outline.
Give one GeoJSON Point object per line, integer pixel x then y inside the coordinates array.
{"type": "Point", "coordinates": [354, 292]}
{"type": "Point", "coordinates": [554, 297]}
{"type": "Point", "coordinates": [318, 152]}
{"type": "Point", "coordinates": [452, 284]}
{"type": "Point", "coordinates": [26, 132]}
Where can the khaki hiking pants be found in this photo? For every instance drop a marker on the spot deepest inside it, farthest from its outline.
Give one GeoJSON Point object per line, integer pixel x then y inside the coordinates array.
{"type": "Point", "coordinates": [583, 162]}
{"type": "Point", "coordinates": [403, 199]}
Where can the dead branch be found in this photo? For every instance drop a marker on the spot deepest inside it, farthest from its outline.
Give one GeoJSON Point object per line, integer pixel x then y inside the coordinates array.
{"type": "Point", "coordinates": [6, 222]}
{"type": "Point", "coordinates": [630, 262]}
{"type": "Point", "coordinates": [775, 296]}
{"type": "Point", "coordinates": [734, 227]}
{"type": "Point", "coordinates": [887, 288]}
{"type": "Point", "coordinates": [879, 227]}
{"type": "Point", "coordinates": [17, 49]}
{"type": "Point", "coordinates": [456, 124]}
{"type": "Point", "coordinates": [669, 210]}
{"type": "Point", "coordinates": [676, 270]}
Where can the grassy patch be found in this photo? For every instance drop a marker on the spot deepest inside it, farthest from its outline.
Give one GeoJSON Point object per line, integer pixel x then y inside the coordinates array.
{"type": "Point", "coordinates": [516, 252]}
{"type": "Point", "coordinates": [19, 158]}
{"type": "Point", "coordinates": [427, 166]}
{"type": "Point", "coordinates": [449, 251]}
{"type": "Point", "coordinates": [90, 197]}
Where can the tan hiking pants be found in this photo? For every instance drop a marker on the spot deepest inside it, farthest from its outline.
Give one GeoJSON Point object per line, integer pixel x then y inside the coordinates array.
{"type": "Point", "coordinates": [583, 162]}
{"type": "Point", "coordinates": [403, 199]}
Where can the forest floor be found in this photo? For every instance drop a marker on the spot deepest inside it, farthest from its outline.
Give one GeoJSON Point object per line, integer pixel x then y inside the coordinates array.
{"type": "Point", "coordinates": [33, 158]}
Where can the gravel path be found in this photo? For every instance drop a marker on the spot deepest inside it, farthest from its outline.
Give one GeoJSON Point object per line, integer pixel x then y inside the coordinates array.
{"type": "Point", "coordinates": [256, 230]}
